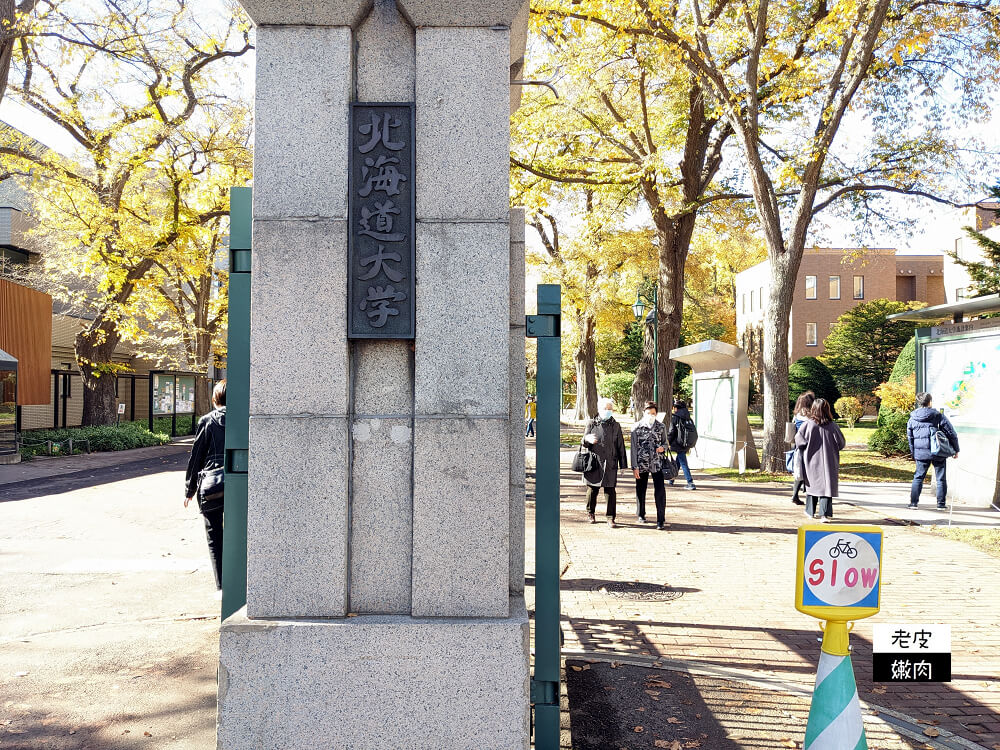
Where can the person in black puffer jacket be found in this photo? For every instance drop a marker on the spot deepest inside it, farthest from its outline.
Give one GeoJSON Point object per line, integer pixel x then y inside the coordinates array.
{"type": "Point", "coordinates": [209, 453]}
{"type": "Point", "coordinates": [924, 422]}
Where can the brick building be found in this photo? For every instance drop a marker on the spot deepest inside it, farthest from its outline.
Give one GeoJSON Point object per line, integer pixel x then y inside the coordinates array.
{"type": "Point", "coordinates": [830, 282]}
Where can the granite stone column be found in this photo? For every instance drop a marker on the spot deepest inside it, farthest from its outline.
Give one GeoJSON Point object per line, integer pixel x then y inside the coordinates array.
{"type": "Point", "coordinates": [386, 480]}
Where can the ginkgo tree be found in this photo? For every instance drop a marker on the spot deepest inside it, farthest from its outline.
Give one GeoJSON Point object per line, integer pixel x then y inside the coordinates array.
{"type": "Point", "coordinates": [598, 264]}
{"type": "Point", "coordinates": [630, 126]}
{"type": "Point", "coordinates": [785, 76]}
{"type": "Point", "coordinates": [159, 137]}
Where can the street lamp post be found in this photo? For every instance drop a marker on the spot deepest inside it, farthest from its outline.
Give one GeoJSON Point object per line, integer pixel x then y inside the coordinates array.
{"type": "Point", "coordinates": [638, 307]}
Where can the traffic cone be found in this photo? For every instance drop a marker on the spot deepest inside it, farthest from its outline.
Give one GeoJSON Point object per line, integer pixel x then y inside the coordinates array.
{"type": "Point", "coordinates": [835, 713]}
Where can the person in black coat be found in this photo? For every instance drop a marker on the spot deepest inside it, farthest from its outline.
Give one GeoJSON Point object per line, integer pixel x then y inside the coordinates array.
{"type": "Point", "coordinates": [604, 438]}
{"type": "Point", "coordinates": [680, 413]}
{"type": "Point", "coordinates": [208, 452]}
{"type": "Point", "coordinates": [924, 422]}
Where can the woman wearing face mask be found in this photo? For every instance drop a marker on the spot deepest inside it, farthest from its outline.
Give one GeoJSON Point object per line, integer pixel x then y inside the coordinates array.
{"type": "Point", "coordinates": [604, 438]}
{"type": "Point", "coordinates": [649, 437]}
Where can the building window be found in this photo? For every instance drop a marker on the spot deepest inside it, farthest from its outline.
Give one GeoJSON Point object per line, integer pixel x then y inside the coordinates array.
{"type": "Point", "coordinates": [811, 334]}
{"type": "Point", "coordinates": [834, 287]}
{"type": "Point", "coordinates": [744, 297]}
{"type": "Point", "coordinates": [810, 287]}
{"type": "Point", "coordinates": [859, 287]}
{"type": "Point", "coordinates": [959, 293]}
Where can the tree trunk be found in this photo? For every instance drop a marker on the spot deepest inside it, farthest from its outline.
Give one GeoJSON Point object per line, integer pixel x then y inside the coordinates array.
{"type": "Point", "coordinates": [585, 358]}
{"type": "Point", "coordinates": [775, 375]}
{"type": "Point", "coordinates": [94, 347]}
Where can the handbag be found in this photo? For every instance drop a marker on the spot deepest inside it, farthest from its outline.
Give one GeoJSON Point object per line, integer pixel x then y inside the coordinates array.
{"type": "Point", "coordinates": [941, 445]}
{"type": "Point", "coordinates": [669, 465]}
{"type": "Point", "coordinates": [211, 489]}
{"type": "Point", "coordinates": [584, 460]}
{"type": "Point", "coordinates": [790, 461]}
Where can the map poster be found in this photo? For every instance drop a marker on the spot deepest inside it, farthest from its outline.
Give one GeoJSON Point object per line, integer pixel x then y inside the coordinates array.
{"type": "Point", "coordinates": [961, 375]}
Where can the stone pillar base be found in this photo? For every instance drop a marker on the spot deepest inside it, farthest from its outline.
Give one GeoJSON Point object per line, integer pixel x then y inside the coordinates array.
{"type": "Point", "coordinates": [383, 682]}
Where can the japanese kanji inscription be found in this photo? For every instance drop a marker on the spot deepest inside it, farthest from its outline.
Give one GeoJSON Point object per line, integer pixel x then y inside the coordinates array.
{"type": "Point", "coordinates": [381, 244]}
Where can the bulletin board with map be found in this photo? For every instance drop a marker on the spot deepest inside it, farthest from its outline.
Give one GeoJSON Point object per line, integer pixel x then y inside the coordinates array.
{"type": "Point", "coordinates": [962, 375]}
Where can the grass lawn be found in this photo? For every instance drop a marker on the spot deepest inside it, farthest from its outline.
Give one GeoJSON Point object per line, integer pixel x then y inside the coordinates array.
{"type": "Point", "coordinates": [855, 466]}
{"type": "Point", "coordinates": [988, 540]}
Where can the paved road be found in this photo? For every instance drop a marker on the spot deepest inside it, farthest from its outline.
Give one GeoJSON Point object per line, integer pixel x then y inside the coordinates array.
{"type": "Point", "coordinates": [108, 617]}
{"type": "Point", "coordinates": [730, 557]}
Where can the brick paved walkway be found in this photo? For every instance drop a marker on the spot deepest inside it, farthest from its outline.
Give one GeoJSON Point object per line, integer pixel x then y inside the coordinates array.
{"type": "Point", "coordinates": [730, 553]}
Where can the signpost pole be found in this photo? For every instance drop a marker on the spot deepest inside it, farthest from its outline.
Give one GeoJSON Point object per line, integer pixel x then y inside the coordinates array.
{"type": "Point", "coordinates": [838, 579]}
{"type": "Point", "coordinates": [545, 685]}
{"type": "Point", "coordinates": [234, 533]}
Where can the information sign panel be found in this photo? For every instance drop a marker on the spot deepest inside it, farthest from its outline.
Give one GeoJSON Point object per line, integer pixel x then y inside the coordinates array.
{"type": "Point", "coordinates": [381, 244]}
{"type": "Point", "coordinates": [839, 571]}
{"type": "Point", "coordinates": [911, 653]}
{"type": "Point", "coordinates": [163, 394]}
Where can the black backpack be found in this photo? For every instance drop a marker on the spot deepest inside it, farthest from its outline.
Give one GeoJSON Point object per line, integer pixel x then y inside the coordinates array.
{"type": "Point", "coordinates": [687, 433]}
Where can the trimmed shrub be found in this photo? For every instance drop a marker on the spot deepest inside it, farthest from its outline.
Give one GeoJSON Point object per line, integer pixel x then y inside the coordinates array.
{"type": "Point", "coordinates": [889, 439]}
{"type": "Point", "coordinates": [618, 387]}
{"type": "Point", "coordinates": [906, 363]}
{"type": "Point", "coordinates": [809, 374]}
{"type": "Point", "coordinates": [903, 372]}
{"type": "Point", "coordinates": [850, 409]}
{"type": "Point", "coordinates": [104, 438]}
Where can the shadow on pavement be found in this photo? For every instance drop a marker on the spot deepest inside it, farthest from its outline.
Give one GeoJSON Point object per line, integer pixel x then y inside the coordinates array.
{"type": "Point", "coordinates": [33, 488]}
{"type": "Point", "coordinates": [101, 710]}
{"type": "Point", "coordinates": [795, 652]}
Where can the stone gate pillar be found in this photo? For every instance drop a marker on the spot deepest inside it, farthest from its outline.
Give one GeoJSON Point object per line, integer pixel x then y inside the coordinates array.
{"type": "Point", "coordinates": [385, 565]}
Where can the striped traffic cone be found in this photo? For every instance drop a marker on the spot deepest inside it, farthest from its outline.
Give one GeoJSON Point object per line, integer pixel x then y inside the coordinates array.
{"type": "Point", "coordinates": [835, 713]}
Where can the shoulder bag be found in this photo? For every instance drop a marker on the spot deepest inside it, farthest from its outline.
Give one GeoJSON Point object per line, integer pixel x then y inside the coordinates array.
{"type": "Point", "coordinates": [584, 460]}
{"type": "Point", "coordinates": [211, 486]}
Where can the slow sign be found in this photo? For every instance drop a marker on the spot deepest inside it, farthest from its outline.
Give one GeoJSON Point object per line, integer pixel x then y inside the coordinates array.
{"type": "Point", "coordinates": [839, 571]}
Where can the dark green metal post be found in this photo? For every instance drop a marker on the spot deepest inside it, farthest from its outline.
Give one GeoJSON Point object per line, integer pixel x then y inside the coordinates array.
{"type": "Point", "coordinates": [234, 535]}
{"type": "Point", "coordinates": [656, 345]}
{"type": "Point", "coordinates": [545, 685]}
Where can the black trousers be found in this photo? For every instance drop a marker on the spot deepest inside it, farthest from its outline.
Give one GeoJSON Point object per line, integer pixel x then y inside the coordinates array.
{"type": "Point", "coordinates": [659, 495]}
{"type": "Point", "coordinates": [609, 493]}
{"type": "Point", "coordinates": [800, 484]}
{"type": "Point", "coordinates": [213, 530]}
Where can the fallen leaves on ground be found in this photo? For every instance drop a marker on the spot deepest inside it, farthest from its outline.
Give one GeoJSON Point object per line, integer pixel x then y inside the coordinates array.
{"type": "Point", "coordinates": [637, 729]}
{"type": "Point", "coordinates": [932, 732]}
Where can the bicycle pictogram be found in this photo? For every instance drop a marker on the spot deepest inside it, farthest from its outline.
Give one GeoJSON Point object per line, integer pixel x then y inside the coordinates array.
{"type": "Point", "coordinates": [843, 546]}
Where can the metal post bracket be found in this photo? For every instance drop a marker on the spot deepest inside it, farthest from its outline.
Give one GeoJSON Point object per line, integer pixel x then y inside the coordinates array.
{"type": "Point", "coordinates": [542, 326]}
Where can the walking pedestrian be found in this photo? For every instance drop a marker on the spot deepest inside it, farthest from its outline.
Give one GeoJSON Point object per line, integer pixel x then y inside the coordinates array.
{"type": "Point", "coordinates": [922, 424]}
{"type": "Point", "coordinates": [603, 436]}
{"type": "Point", "coordinates": [204, 477]}
{"type": "Point", "coordinates": [649, 440]}
{"type": "Point", "coordinates": [802, 406]}
{"type": "Point", "coordinates": [682, 437]}
{"type": "Point", "coordinates": [821, 442]}
{"type": "Point", "coordinates": [530, 412]}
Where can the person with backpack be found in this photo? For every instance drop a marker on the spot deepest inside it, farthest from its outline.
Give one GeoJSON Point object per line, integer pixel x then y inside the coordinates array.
{"type": "Point", "coordinates": [923, 434]}
{"type": "Point", "coordinates": [682, 437]}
